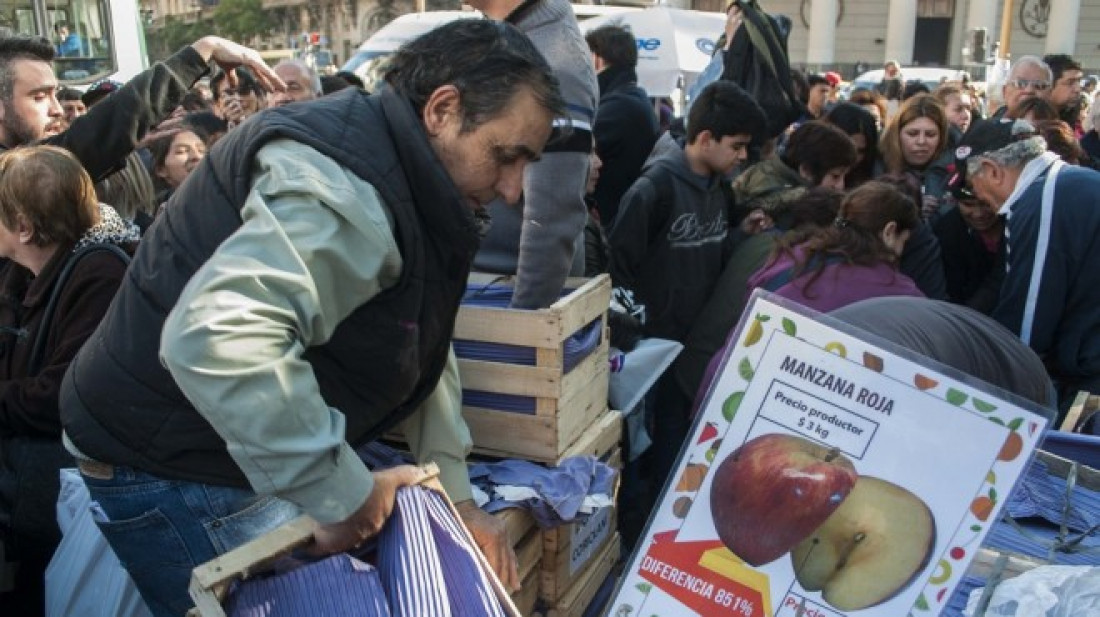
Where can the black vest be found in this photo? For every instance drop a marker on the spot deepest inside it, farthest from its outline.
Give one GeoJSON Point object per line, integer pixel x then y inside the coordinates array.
{"type": "Point", "coordinates": [120, 405]}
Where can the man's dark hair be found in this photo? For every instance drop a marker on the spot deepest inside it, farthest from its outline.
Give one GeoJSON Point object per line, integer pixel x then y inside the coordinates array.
{"type": "Point", "coordinates": [20, 47]}
{"type": "Point", "coordinates": [819, 146]}
{"type": "Point", "coordinates": [615, 44]}
{"type": "Point", "coordinates": [815, 79]}
{"type": "Point", "coordinates": [724, 108]}
{"type": "Point", "coordinates": [246, 83]}
{"type": "Point", "coordinates": [913, 88]}
{"type": "Point", "coordinates": [1060, 63]}
{"type": "Point", "coordinates": [332, 83]}
{"type": "Point", "coordinates": [489, 62]}
{"type": "Point", "coordinates": [351, 78]}
{"type": "Point", "coordinates": [205, 124]}
{"type": "Point", "coordinates": [69, 94]}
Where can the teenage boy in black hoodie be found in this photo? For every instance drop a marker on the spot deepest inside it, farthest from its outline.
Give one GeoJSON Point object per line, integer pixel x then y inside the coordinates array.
{"type": "Point", "coordinates": [672, 237]}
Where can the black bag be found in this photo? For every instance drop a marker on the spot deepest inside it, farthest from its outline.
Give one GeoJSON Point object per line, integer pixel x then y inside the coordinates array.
{"type": "Point", "coordinates": [757, 61]}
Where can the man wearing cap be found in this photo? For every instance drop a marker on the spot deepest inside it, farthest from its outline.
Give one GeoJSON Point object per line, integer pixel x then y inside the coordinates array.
{"type": "Point", "coordinates": [101, 139]}
{"type": "Point", "coordinates": [1051, 289]}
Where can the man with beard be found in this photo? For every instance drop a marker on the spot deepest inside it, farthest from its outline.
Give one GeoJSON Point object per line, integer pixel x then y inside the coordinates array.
{"type": "Point", "coordinates": [100, 140]}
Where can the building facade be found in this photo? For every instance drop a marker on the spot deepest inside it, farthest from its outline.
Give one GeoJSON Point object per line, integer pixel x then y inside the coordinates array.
{"type": "Point", "coordinates": [839, 33]}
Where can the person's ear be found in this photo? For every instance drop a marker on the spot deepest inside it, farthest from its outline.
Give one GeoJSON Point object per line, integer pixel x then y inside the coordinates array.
{"type": "Point", "coordinates": [443, 107]}
{"type": "Point", "coordinates": [25, 230]}
{"type": "Point", "coordinates": [807, 175]}
{"type": "Point", "coordinates": [889, 232]}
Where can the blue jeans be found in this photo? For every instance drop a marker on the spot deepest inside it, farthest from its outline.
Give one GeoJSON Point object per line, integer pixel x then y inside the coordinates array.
{"type": "Point", "coordinates": [162, 529]}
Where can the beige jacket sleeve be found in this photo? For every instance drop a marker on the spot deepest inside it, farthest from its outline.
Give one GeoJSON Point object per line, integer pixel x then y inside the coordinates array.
{"type": "Point", "coordinates": [316, 243]}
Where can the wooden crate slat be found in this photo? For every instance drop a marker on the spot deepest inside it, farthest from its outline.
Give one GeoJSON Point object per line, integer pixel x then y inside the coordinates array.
{"type": "Point", "coordinates": [503, 434]}
{"type": "Point", "coordinates": [534, 437]}
{"type": "Point", "coordinates": [585, 304]}
{"type": "Point", "coordinates": [583, 376]}
{"type": "Point", "coordinates": [533, 381]}
{"type": "Point", "coordinates": [511, 327]}
{"type": "Point", "coordinates": [545, 328]}
{"type": "Point", "coordinates": [600, 437]}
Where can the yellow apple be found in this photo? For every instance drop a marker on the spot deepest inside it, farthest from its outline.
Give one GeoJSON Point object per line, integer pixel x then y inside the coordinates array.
{"type": "Point", "coordinates": [869, 549]}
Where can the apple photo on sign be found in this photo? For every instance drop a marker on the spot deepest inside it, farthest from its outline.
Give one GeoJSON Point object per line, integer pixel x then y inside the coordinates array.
{"type": "Point", "coordinates": [859, 540]}
{"type": "Point", "coordinates": [774, 491]}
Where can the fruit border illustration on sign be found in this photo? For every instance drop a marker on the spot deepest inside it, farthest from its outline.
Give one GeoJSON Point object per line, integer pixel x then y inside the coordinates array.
{"type": "Point", "coordinates": [841, 525]}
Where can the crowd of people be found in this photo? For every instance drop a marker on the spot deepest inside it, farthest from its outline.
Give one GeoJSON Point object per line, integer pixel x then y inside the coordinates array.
{"type": "Point", "coordinates": [221, 278]}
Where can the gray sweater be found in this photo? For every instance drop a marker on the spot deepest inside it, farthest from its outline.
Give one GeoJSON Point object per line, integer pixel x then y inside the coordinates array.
{"type": "Point", "coordinates": [542, 240]}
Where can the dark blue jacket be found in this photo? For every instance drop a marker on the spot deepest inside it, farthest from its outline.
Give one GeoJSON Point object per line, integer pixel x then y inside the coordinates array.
{"type": "Point", "coordinates": [626, 129]}
{"type": "Point", "coordinates": [1064, 325]}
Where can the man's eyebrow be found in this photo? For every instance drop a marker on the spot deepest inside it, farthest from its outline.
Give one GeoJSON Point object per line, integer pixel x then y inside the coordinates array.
{"type": "Point", "coordinates": [514, 153]}
{"type": "Point", "coordinates": [46, 89]}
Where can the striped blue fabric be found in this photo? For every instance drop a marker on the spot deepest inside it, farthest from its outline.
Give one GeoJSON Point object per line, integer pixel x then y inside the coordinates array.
{"type": "Point", "coordinates": [428, 567]}
{"type": "Point", "coordinates": [339, 586]}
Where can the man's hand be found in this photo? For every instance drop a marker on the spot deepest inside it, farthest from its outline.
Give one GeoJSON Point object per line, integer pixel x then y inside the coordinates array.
{"type": "Point", "coordinates": [756, 222]}
{"type": "Point", "coordinates": [492, 537]}
{"type": "Point", "coordinates": [229, 55]}
{"type": "Point", "coordinates": [370, 517]}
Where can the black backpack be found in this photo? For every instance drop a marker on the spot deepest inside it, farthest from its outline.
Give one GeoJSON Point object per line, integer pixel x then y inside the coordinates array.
{"type": "Point", "coordinates": [757, 61]}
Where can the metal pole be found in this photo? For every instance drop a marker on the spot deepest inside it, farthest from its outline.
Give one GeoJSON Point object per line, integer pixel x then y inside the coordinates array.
{"type": "Point", "coordinates": [1006, 30]}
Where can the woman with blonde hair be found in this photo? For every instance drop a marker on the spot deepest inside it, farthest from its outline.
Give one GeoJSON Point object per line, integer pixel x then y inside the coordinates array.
{"type": "Point", "coordinates": [853, 259]}
{"type": "Point", "coordinates": [65, 255]}
{"type": "Point", "coordinates": [915, 143]}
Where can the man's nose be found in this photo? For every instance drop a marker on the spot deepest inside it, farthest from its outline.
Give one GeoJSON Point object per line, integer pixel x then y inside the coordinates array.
{"type": "Point", "coordinates": [510, 185]}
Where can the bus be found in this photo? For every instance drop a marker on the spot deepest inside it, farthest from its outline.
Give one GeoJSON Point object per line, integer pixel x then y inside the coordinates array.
{"type": "Point", "coordinates": [94, 39]}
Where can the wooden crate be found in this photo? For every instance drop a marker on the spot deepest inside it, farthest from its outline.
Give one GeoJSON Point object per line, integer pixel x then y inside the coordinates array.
{"type": "Point", "coordinates": [576, 600]}
{"type": "Point", "coordinates": [569, 550]}
{"type": "Point", "coordinates": [565, 404]}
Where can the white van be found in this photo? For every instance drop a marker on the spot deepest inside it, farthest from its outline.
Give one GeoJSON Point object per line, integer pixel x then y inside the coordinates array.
{"type": "Point", "coordinates": [367, 62]}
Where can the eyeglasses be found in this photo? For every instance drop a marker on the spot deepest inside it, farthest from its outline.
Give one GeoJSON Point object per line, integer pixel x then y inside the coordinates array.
{"type": "Point", "coordinates": [1024, 84]}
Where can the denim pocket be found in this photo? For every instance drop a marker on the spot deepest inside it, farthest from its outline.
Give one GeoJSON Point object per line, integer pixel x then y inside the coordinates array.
{"type": "Point", "coordinates": [261, 516]}
{"type": "Point", "coordinates": [154, 553]}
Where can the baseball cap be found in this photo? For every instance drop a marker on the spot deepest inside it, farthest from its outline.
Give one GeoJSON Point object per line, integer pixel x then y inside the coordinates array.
{"type": "Point", "coordinates": [984, 137]}
{"type": "Point", "coordinates": [833, 78]}
{"type": "Point", "coordinates": [98, 90]}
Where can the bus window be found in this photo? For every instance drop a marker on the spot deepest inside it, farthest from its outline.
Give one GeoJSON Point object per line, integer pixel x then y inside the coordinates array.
{"type": "Point", "coordinates": [90, 38]}
{"type": "Point", "coordinates": [79, 30]}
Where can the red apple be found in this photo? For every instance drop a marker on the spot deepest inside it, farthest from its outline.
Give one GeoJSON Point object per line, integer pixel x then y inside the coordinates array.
{"type": "Point", "coordinates": [774, 491]}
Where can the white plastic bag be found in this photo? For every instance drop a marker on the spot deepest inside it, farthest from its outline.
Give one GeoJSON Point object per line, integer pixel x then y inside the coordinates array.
{"type": "Point", "coordinates": [84, 577]}
{"type": "Point", "coordinates": [1046, 591]}
{"type": "Point", "coordinates": [634, 372]}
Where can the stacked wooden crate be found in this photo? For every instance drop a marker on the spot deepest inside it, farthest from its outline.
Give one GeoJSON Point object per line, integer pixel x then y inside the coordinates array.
{"type": "Point", "coordinates": [571, 418]}
{"type": "Point", "coordinates": [566, 403]}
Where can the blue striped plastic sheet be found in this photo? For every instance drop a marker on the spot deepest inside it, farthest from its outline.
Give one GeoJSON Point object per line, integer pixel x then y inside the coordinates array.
{"type": "Point", "coordinates": [339, 586]}
{"type": "Point", "coordinates": [1040, 506]}
{"type": "Point", "coordinates": [1084, 449]}
{"type": "Point", "coordinates": [428, 566]}
{"type": "Point", "coordinates": [957, 602]}
{"type": "Point", "coordinates": [575, 349]}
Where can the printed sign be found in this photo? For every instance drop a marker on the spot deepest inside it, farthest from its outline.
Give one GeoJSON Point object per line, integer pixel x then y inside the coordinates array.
{"type": "Point", "coordinates": [827, 476]}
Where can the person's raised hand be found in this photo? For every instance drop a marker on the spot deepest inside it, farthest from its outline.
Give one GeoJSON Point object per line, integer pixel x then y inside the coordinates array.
{"type": "Point", "coordinates": [229, 55]}
{"type": "Point", "coordinates": [491, 536]}
{"type": "Point", "coordinates": [370, 517]}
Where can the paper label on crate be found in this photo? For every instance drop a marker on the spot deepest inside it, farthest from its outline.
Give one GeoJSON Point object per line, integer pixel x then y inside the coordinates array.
{"type": "Point", "coordinates": [586, 537]}
{"type": "Point", "coordinates": [828, 475]}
